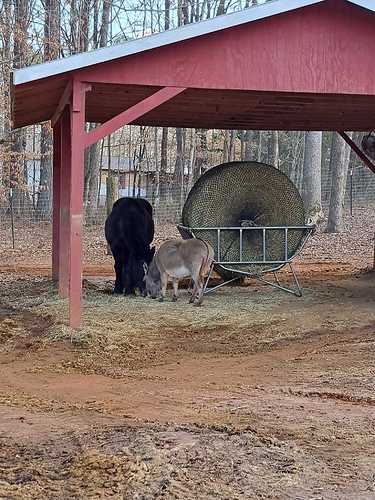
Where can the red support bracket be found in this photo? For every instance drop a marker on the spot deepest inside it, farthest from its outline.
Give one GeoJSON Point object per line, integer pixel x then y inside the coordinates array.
{"type": "Point", "coordinates": [132, 114]}
{"type": "Point", "coordinates": [360, 153]}
{"type": "Point", "coordinates": [62, 103]}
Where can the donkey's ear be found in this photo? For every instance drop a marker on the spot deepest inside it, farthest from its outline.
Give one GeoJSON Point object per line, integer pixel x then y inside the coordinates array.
{"type": "Point", "coordinates": [145, 268]}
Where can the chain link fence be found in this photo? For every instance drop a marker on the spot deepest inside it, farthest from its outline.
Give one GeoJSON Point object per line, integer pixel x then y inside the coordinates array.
{"type": "Point", "coordinates": [17, 214]}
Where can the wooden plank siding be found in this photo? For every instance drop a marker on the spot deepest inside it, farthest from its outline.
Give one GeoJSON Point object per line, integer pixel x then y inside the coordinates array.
{"type": "Point", "coordinates": [305, 57]}
{"type": "Point", "coordinates": [323, 48]}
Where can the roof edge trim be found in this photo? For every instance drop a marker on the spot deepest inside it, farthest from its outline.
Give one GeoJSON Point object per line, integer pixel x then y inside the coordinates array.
{"type": "Point", "coordinates": [366, 4]}
{"type": "Point", "coordinates": [182, 33]}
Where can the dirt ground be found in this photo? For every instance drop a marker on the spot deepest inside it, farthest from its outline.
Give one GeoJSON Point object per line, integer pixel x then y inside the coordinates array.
{"type": "Point", "coordinates": [258, 394]}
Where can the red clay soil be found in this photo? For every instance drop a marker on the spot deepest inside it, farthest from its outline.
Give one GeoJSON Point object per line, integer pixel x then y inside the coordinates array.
{"type": "Point", "coordinates": [293, 418]}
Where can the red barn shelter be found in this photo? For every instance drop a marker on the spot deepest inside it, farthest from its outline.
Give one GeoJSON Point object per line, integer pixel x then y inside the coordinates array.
{"type": "Point", "coordinates": [282, 65]}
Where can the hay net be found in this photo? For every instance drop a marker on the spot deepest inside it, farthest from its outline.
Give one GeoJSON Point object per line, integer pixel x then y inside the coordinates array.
{"type": "Point", "coordinates": [240, 194]}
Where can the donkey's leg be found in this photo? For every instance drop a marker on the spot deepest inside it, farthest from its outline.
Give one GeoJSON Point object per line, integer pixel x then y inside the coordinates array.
{"type": "Point", "coordinates": [199, 282]}
{"type": "Point", "coordinates": [164, 281]}
{"type": "Point", "coordinates": [175, 289]}
{"type": "Point", "coordinates": [194, 293]}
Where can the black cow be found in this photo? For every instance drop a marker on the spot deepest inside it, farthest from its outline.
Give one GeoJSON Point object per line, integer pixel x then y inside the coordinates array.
{"type": "Point", "coordinates": [129, 230]}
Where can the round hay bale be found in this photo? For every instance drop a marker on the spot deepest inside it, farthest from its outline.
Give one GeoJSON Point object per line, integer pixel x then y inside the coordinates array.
{"type": "Point", "coordinates": [244, 194]}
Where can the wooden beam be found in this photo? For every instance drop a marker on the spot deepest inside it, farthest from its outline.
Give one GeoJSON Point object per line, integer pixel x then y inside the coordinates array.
{"type": "Point", "coordinates": [359, 152]}
{"type": "Point", "coordinates": [62, 103]}
{"type": "Point", "coordinates": [64, 212]}
{"type": "Point", "coordinates": [131, 114]}
{"type": "Point", "coordinates": [56, 188]}
{"type": "Point", "coordinates": [77, 116]}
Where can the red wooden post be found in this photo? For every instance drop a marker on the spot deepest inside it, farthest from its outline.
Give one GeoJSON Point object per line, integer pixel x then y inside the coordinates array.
{"type": "Point", "coordinates": [56, 179]}
{"type": "Point", "coordinates": [76, 201]}
{"type": "Point", "coordinates": [65, 175]}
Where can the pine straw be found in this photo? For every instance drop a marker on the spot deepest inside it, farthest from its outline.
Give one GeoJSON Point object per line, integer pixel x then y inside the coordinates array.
{"type": "Point", "coordinates": [121, 334]}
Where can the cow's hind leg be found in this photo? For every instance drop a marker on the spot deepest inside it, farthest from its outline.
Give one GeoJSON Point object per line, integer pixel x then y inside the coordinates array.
{"type": "Point", "coordinates": [119, 270]}
{"type": "Point", "coordinates": [128, 278]}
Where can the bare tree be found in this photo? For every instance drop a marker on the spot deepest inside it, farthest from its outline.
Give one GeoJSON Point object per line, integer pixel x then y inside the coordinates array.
{"type": "Point", "coordinates": [51, 51]}
{"type": "Point", "coordinates": [18, 165]}
{"type": "Point", "coordinates": [5, 109]}
{"type": "Point", "coordinates": [226, 146]}
{"type": "Point", "coordinates": [295, 152]}
{"type": "Point", "coordinates": [178, 177]}
{"type": "Point", "coordinates": [273, 148]}
{"type": "Point", "coordinates": [106, 7]}
{"type": "Point", "coordinates": [162, 173]}
{"type": "Point", "coordinates": [258, 145]}
{"type": "Point", "coordinates": [247, 150]}
{"type": "Point", "coordinates": [164, 161]}
{"type": "Point", "coordinates": [312, 171]}
{"type": "Point", "coordinates": [220, 8]}
{"type": "Point", "coordinates": [232, 145]}
{"type": "Point", "coordinates": [338, 169]}
{"type": "Point", "coordinates": [84, 25]}
{"type": "Point", "coordinates": [192, 158]}
{"type": "Point", "coordinates": [92, 155]}
{"type": "Point", "coordinates": [201, 161]}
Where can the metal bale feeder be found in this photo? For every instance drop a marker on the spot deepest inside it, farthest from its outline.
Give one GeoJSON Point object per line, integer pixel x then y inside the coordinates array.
{"type": "Point", "coordinates": [252, 215]}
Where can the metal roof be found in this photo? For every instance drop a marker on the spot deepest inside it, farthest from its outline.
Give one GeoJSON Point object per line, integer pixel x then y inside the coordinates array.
{"type": "Point", "coordinates": [264, 67]}
{"type": "Point", "coordinates": [82, 60]}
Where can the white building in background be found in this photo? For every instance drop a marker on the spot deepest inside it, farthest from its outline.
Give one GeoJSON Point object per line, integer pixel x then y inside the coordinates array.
{"type": "Point", "coordinates": [131, 180]}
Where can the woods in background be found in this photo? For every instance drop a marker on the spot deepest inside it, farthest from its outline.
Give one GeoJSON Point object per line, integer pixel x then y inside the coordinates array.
{"type": "Point", "coordinates": [160, 164]}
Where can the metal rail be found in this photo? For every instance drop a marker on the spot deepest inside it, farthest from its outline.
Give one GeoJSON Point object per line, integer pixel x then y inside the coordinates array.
{"type": "Point", "coordinates": [275, 265]}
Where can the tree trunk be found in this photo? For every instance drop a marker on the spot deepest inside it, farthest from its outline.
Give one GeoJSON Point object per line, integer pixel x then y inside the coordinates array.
{"type": "Point", "coordinates": [167, 16]}
{"type": "Point", "coordinates": [226, 148]}
{"type": "Point", "coordinates": [164, 177]}
{"type": "Point", "coordinates": [192, 159]}
{"type": "Point", "coordinates": [295, 172]}
{"type": "Point", "coordinates": [44, 203]}
{"type": "Point", "coordinates": [178, 176]}
{"type": "Point", "coordinates": [18, 167]}
{"type": "Point", "coordinates": [258, 145]}
{"type": "Point", "coordinates": [92, 156]}
{"type": "Point", "coordinates": [338, 169]}
{"type": "Point", "coordinates": [201, 163]}
{"type": "Point", "coordinates": [354, 163]}
{"type": "Point", "coordinates": [84, 25]}
{"type": "Point", "coordinates": [112, 192]}
{"type": "Point", "coordinates": [92, 179]}
{"type": "Point", "coordinates": [311, 181]}
{"type": "Point", "coordinates": [51, 29]}
{"type": "Point", "coordinates": [6, 96]}
{"type": "Point", "coordinates": [103, 39]}
{"type": "Point", "coordinates": [232, 145]}
{"type": "Point", "coordinates": [221, 8]}
{"type": "Point", "coordinates": [247, 140]}
{"type": "Point", "coordinates": [273, 148]}
{"type": "Point", "coordinates": [51, 51]}
{"type": "Point", "coordinates": [156, 186]}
